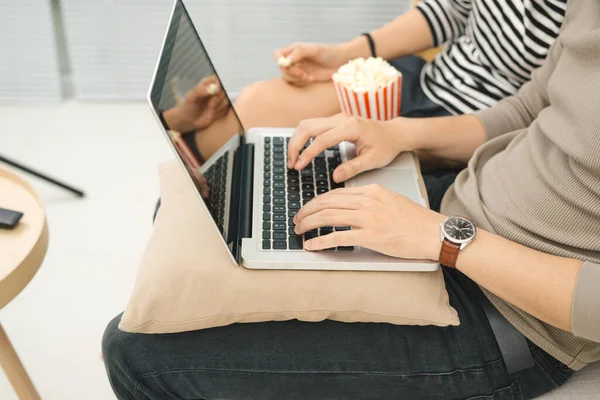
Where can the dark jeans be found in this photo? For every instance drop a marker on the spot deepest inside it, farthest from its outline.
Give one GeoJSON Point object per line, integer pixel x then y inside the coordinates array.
{"type": "Point", "coordinates": [330, 360]}
{"type": "Point", "coordinates": [415, 103]}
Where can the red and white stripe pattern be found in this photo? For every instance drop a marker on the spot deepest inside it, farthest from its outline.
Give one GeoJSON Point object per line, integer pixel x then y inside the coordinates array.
{"type": "Point", "coordinates": [381, 105]}
{"type": "Point", "coordinates": [184, 150]}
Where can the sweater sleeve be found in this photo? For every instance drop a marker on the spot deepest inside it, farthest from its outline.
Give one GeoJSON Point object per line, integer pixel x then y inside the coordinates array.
{"type": "Point", "coordinates": [585, 314]}
{"type": "Point", "coordinates": [519, 111]}
{"type": "Point", "coordinates": [447, 19]}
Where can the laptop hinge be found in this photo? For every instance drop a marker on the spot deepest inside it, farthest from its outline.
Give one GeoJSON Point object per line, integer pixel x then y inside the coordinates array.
{"type": "Point", "coordinates": [247, 190]}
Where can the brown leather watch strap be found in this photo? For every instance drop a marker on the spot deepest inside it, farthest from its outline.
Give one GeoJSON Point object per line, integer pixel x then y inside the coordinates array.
{"type": "Point", "coordinates": [449, 253]}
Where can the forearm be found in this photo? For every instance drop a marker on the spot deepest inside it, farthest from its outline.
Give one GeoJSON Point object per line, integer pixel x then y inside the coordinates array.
{"type": "Point", "coordinates": [540, 284]}
{"type": "Point", "coordinates": [452, 138]}
{"type": "Point", "coordinates": [173, 119]}
{"type": "Point", "coordinates": [407, 34]}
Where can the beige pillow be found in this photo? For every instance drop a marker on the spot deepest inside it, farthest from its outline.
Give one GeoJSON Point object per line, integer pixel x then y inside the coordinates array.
{"type": "Point", "coordinates": [187, 281]}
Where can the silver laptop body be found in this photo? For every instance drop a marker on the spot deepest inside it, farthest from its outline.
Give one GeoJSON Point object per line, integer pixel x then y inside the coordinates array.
{"type": "Point", "coordinates": [251, 195]}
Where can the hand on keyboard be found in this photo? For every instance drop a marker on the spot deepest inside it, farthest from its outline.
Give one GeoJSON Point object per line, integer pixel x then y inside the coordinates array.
{"type": "Point", "coordinates": [286, 190]}
{"type": "Point", "coordinates": [381, 220]}
{"type": "Point", "coordinates": [377, 142]}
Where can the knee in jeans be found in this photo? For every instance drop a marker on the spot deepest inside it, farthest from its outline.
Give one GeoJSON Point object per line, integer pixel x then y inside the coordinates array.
{"type": "Point", "coordinates": [114, 347]}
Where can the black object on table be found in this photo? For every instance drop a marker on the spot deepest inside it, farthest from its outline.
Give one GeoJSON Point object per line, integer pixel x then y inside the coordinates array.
{"type": "Point", "coordinates": [28, 170]}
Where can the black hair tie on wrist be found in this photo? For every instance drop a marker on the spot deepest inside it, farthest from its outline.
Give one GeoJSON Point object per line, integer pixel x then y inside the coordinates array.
{"type": "Point", "coordinates": [371, 43]}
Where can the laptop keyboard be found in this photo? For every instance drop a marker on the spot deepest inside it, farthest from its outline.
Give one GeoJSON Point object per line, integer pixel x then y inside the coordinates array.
{"type": "Point", "coordinates": [285, 191]}
{"type": "Point", "coordinates": [216, 177]}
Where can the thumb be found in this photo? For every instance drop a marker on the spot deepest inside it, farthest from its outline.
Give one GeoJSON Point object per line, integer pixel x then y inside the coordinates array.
{"type": "Point", "coordinates": [204, 89]}
{"type": "Point", "coordinates": [303, 51]}
{"type": "Point", "coordinates": [279, 53]}
{"type": "Point", "coordinates": [353, 167]}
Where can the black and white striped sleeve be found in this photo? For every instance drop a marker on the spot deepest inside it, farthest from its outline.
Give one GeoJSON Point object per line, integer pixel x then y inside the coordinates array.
{"type": "Point", "coordinates": [447, 19]}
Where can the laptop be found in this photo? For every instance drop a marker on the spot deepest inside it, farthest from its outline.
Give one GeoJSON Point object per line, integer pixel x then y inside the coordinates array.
{"type": "Point", "coordinates": [242, 179]}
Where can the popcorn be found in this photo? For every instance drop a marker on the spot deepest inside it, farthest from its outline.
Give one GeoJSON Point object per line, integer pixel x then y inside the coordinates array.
{"type": "Point", "coordinates": [212, 89]}
{"type": "Point", "coordinates": [284, 62]}
{"type": "Point", "coordinates": [369, 88]}
{"type": "Point", "coordinates": [366, 75]}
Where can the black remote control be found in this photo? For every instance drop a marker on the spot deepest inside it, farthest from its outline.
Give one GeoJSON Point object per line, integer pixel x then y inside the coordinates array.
{"type": "Point", "coordinates": [9, 218]}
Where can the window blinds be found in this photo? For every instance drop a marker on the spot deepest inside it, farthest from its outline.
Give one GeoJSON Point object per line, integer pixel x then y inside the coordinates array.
{"type": "Point", "coordinates": [28, 56]}
{"type": "Point", "coordinates": [113, 44]}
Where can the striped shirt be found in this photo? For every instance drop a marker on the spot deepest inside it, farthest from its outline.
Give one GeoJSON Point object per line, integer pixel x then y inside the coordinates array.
{"type": "Point", "coordinates": [492, 46]}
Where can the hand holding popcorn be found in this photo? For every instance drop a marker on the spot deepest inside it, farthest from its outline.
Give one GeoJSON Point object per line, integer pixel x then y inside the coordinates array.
{"type": "Point", "coordinates": [305, 63]}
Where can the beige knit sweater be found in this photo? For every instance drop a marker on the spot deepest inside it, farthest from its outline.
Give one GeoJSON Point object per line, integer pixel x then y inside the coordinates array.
{"type": "Point", "coordinates": [536, 181]}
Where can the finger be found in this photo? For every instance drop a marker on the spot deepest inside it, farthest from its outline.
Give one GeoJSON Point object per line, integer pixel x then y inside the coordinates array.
{"type": "Point", "coordinates": [285, 51]}
{"type": "Point", "coordinates": [328, 218]}
{"type": "Point", "coordinates": [210, 79]}
{"type": "Point", "coordinates": [322, 202]}
{"type": "Point", "coordinates": [302, 51]}
{"type": "Point", "coordinates": [353, 167]}
{"type": "Point", "coordinates": [223, 107]}
{"type": "Point", "coordinates": [295, 75]}
{"type": "Point", "coordinates": [207, 114]}
{"type": "Point", "coordinates": [321, 143]}
{"type": "Point", "coordinates": [278, 54]}
{"type": "Point", "coordinates": [305, 130]}
{"type": "Point", "coordinates": [202, 89]}
{"type": "Point", "coordinates": [290, 78]}
{"type": "Point", "coordinates": [335, 239]}
{"type": "Point", "coordinates": [299, 72]}
{"type": "Point", "coordinates": [219, 107]}
{"type": "Point", "coordinates": [210, 105]}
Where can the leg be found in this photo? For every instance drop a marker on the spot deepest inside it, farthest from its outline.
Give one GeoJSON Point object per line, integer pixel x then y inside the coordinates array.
{"type": "Point", "coordinates": [9, 361]}
{"type": "Point", "coordinates": [298, 360]}
{"type": "Point", "coordinates": [276, 103]}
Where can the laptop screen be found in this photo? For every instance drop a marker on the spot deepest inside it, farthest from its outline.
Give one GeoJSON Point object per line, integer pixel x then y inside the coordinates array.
{"type": "Point", "coordinates": [189, 99]}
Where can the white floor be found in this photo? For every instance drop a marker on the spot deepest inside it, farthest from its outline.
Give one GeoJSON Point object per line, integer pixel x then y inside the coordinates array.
{"type": "Point", "coordinates": [111, 151]}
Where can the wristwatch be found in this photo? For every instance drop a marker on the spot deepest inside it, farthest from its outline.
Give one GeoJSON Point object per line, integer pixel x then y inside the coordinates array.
{"type": "Point", "coordinates": [455, 233]}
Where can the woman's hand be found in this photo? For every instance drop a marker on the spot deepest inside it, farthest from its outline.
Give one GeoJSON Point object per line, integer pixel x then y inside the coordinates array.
{"type": "Point", "coordinates": [381, 220]}
{"type": "Point", "coordinates": [377, 142]}
{"type": "Point", "coordinates": [310, 62]}
{"type": "Point", "coordinates": [200, 108]}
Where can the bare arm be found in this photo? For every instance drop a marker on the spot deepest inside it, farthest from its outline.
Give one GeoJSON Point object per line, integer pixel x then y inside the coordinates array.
{"type": "Point", "coordinates": [407, 34]}
{"type": "Point", "coordinates": [451, 138]}
{"type": "Point", "coordinates": [433, 22]}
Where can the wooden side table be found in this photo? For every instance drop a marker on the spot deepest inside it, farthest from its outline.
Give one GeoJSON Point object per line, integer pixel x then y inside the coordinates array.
{"type": "Point", "coordinates": [22, 251]}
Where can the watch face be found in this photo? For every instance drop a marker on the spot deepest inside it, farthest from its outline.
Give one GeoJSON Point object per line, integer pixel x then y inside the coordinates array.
{"type": "Point", "coordinates": [458, 229]}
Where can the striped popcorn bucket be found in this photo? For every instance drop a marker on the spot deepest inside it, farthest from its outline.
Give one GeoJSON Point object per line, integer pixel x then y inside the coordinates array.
{"type": "Point", "coordinates": [184, 150]}
{"type": "Point", "coordinates": [381, 105]}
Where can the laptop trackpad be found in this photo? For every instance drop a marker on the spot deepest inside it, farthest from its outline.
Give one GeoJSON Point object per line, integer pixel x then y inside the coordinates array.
{"type": "Point", "coordinates": [396, 179]}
